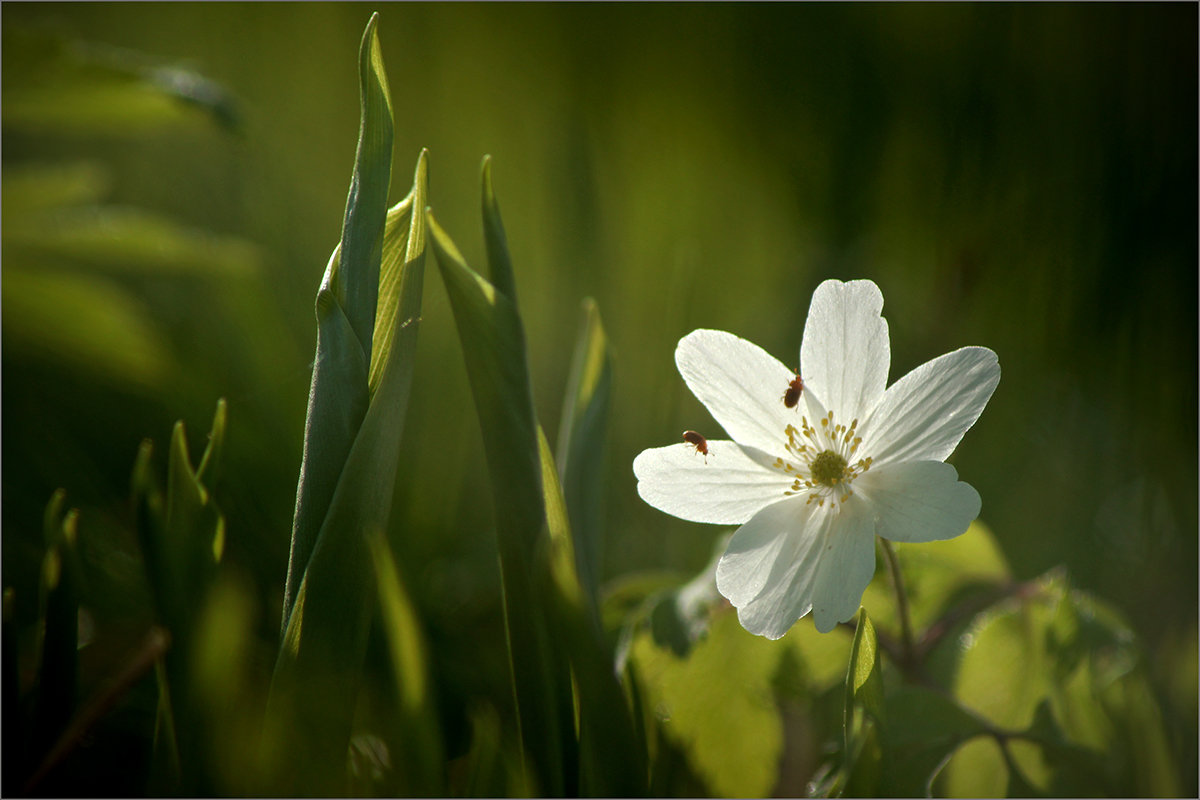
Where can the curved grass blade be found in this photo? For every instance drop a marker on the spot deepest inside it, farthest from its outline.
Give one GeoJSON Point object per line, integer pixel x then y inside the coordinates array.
{"type": "Point", "coordinates": [610, 761]}
{"type": "Point", "coordinates": [493, 343]}
{"type": "Point", "coordinates": [582, 445]}
{"type": "Point", "coordinates": [311, 704]}
{"type": "Point", "coordinates": [346, 306]}
{"type": "Point", "coordinates": [418, 752]}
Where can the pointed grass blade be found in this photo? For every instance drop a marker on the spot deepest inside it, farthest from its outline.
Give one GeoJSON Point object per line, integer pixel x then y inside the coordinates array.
{"type": "Point", "coordinates": [417, 756]}
{"type": "Point", "coordinates": [493, 344]}
{"type": "Point", "coordinates": [611, 763]}
{"type": "Point", "coordinates": [347, 302]}
{"type": "Point", "coordinates": [311, 704]}
{"type": "Point", "coordinates": [582, 441]}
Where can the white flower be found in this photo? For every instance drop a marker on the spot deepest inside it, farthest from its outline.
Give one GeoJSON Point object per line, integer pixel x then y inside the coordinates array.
{"type": "Point", "coordinates": [811, 485]}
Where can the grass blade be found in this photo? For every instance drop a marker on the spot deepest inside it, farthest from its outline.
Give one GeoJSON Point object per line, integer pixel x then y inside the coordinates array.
{"type": "Point", "coordinates": [582, 445]}
{"type": "Point", "coordinates": [347, 302]}
{"type": "Point", "coordinates": [311, 704]}
{"type": "Point", "coordinates": [493, 343]}
{"type": "Point", "coordinates": [418, 752]}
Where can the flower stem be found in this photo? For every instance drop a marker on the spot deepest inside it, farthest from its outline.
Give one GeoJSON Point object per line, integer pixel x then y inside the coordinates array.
{"type": "Point", "coordinates": [901, 601]}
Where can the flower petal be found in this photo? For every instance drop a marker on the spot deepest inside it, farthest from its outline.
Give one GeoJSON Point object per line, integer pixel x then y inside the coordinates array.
{"type": "Point", "coordinates": [793, 557]}
{"type": "Point", "coordinates": [921, 501]}
{"type": "Point", "coordinates": [924, 415]}
{"type": "Point", "coordinates": [726, 487]}
{"type": "Point", "coordinates": [845, 352]}
{"type": "Point", "coordinates": [847, 566]}
{"type": "Point", "coordinates": [770, 566]}
{"type": "Point", "coordinates": [740, 384]}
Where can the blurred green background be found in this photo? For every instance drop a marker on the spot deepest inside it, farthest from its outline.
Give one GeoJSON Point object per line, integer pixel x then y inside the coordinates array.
{"type": "Point", "coordinates": [1020, 177]}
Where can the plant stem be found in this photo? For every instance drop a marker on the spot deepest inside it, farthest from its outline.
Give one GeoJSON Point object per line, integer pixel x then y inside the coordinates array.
{"type": "Point", "coordinates": [901, 601]}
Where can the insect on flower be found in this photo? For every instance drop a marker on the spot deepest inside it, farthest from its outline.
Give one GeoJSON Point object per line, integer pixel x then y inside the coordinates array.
{"type": "Point", "coordinates": [813, 485]}
{"type": "Point", "coordinates": [697, 441]}
{"type": "Point", "coordinates": [792, 395]}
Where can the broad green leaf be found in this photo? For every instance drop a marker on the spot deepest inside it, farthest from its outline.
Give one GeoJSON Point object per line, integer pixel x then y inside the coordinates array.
{"type": "Point", "coordinates": [347, 302]}
{"type": "Point", "coordinates": [493, 343]}
{"type": "Point", "coordinates": [939, 577]}
{"type": "Point", "coordinates": [417, 757]}
{"type": "Point", "coordinates": [717, 707]}
{"type": "Point", "coordinates": [582, 445]}
{"type": "Point", "coordinates": [678, 613]}
{"type": "Point", "coordinates": [325, 638]}
{"type": "Point", "coordinates": [929, 728]}
{"type": "Point", "coordinates": [1057, 671]}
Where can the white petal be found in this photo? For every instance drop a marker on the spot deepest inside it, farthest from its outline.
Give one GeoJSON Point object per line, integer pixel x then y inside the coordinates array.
{"type": "Point", "coordinates": [921, 501]}
{"type": "Point", "coordinates": [793, 557]}
{"type": "Point", "coordinates": [847, 566]}
{"type": "Point", "coordinates": [740, 384]}
{"type": "Point", "coordinates": [845, 353]}
{"type": "Point", "coordinates": [770, 566]}
{"type": "Point", "coordinates": [726, 487]}
{"type": "Point", "coordinates": [924, 415]}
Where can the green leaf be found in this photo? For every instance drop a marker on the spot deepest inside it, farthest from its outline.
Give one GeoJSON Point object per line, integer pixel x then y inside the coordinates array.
{"type": "Point", "coordinates": [347, 302]}
{"type": "Point", "coordinates": [193, 530]}
{"type": "Point", "coordinates": [86, 322]}
{"type": "Point", "coordinates": [494, 238]}
{"type": "Point", "coordinates": [182, 534]}
{"type": "Point", "coordinates": [31, 188]}
{"type": "Point", "coordinates": [1061, 674]}
{"type": "Point", "coordinates": [716, 705]}
{"type": "Point", "coordinates": [125, 241]}
{"type": "Point", "coordinates": [941, 578]}
{"type": "Point", "coordinates": [418, 753]}
{"type": "Point", "coordinates": [70, 87]}
{"type": "Point", "coordinates": [316, 675]}
{"type": "Point", "coordinates": [493, 343]}
{"type": "Point", "coordinates": [356, 282]}
{"type": "Point", "coordinates": [582, 445]}
{"type": "Point", "coordinates": [611, 763]}
{"type": "Point", "coordinates": [864, 722]}
{"type": "Point", "coordinates": [930, 728]}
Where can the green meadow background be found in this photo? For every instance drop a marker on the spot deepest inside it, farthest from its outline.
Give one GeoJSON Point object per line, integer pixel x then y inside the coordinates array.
{"type": "Point", "coordinates": [1021, 177]}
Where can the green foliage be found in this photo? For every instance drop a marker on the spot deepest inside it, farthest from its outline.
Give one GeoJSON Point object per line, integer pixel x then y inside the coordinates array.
{"type": "Point", "coordinates": [583, 445]}
{"type": "Point", "coordinates": [138, 651]}
{"type": "Point", "coordinates": [558, 658]}
{"type": "Point", "coordinates": [351, 459]}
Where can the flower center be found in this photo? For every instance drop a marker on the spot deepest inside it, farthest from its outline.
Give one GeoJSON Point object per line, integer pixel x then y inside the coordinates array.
{"type": "Point", "coordinates": [828, 468]}
{"type": "Point", "coordinates": [825, 463]}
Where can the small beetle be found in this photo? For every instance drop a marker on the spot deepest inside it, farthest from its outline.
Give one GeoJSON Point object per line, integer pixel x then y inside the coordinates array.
{"type": "Point", "coordinates": [697, 441]}
{"type": "Point", "coordinates": [792, 395]}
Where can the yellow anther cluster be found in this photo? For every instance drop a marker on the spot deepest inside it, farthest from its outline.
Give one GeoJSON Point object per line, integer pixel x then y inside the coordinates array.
{"type": "Point", "coordinates": [824, 468]}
